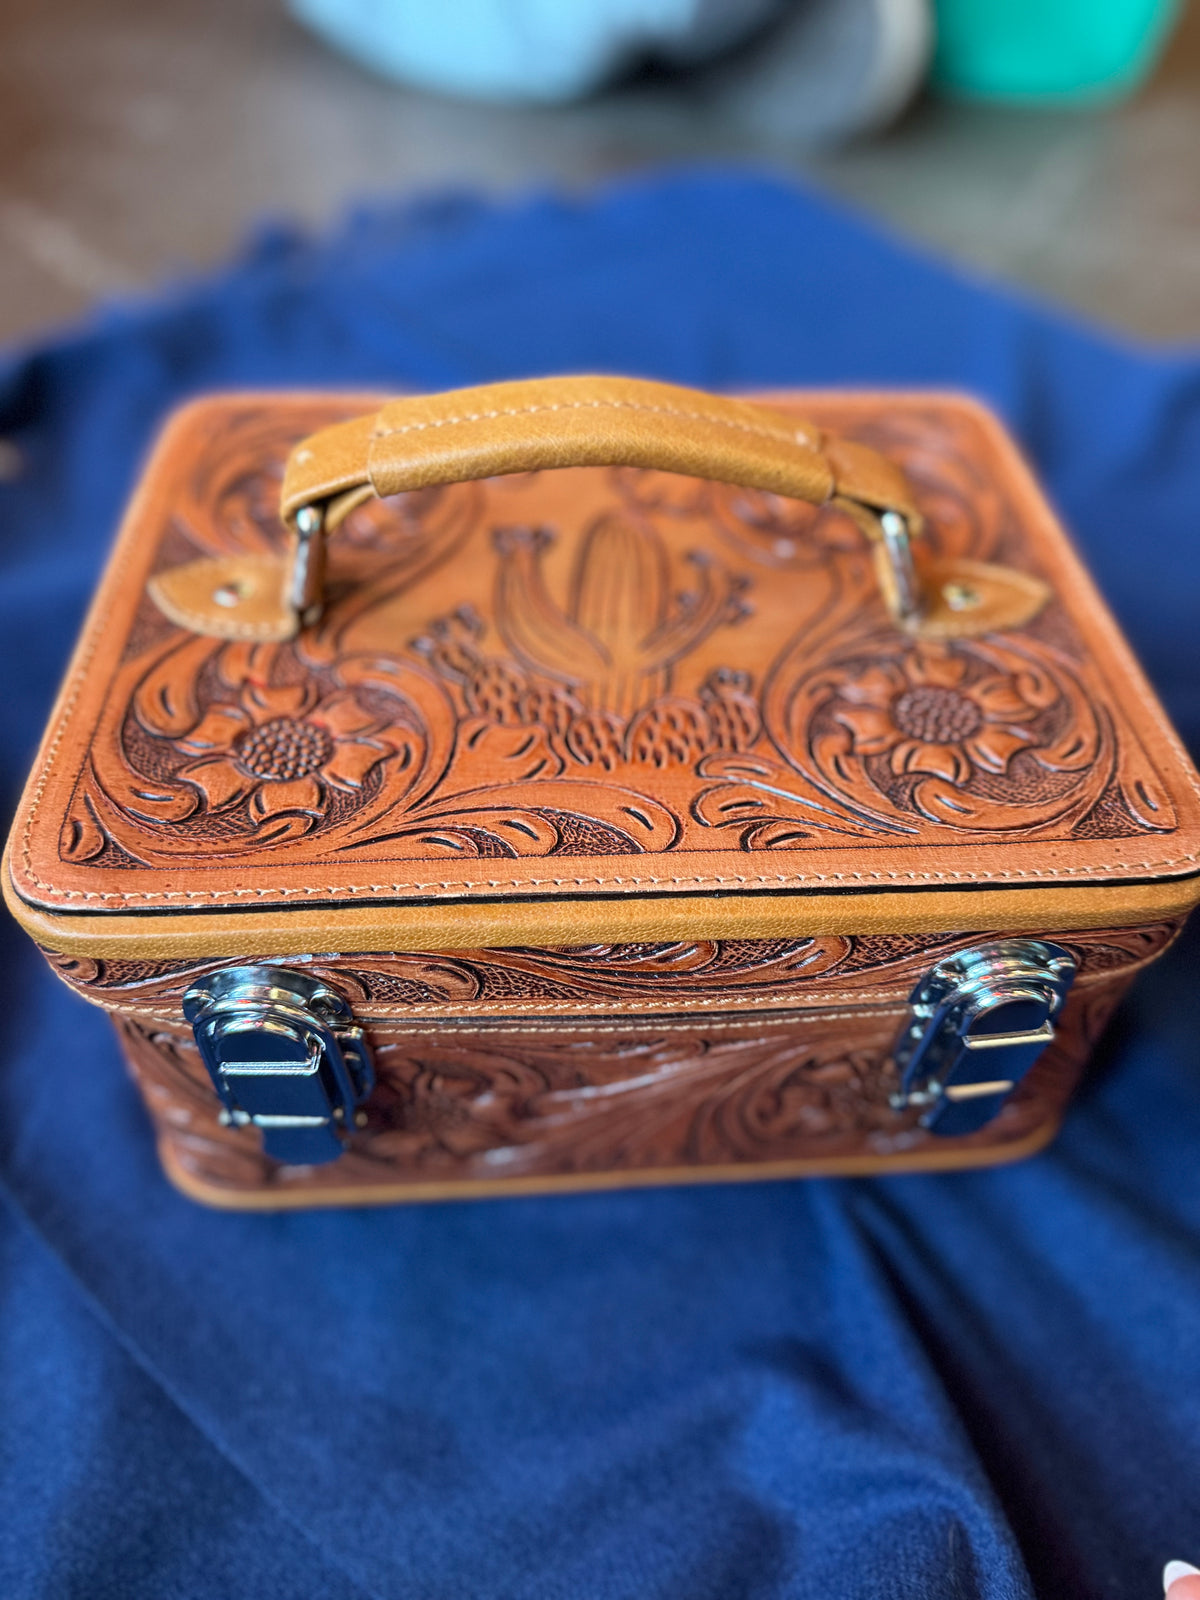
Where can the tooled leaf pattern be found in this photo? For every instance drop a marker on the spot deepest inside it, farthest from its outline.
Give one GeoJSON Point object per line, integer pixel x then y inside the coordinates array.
{"type": "Point", "coordinates": [829, 968]}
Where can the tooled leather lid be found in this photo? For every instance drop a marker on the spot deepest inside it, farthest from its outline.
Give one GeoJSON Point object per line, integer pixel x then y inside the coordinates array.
{"type": "Point", "coordinates": [595, 704]}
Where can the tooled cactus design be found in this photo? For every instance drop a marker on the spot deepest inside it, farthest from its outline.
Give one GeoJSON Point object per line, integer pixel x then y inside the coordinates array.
{"type": "Point", "coordinates": [597, 673]}
{"type": "Point", "coordinates": [616, 642]}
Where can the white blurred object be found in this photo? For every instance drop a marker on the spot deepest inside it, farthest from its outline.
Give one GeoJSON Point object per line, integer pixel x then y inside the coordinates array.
{"type": "Point", "coordinates": [828, 70]}
{"type": "Point", "coordinates": [527, 50]}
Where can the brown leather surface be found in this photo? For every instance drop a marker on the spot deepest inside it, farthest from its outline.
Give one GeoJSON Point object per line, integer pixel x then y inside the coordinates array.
{"type": "Point", "coordinates": [596, 704]}
{"type": "Point", "coordinates": [472, 1109]}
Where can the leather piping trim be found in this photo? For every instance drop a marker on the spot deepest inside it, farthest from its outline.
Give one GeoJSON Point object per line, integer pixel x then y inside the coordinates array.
{"type": "Point", "coordinates": [442, 925]}
{"type": "Point", "coordinates": [799, 890]}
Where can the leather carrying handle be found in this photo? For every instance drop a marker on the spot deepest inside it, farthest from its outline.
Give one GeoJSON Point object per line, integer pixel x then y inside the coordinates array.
{"type": "Point", "coordinates": [422, 440]}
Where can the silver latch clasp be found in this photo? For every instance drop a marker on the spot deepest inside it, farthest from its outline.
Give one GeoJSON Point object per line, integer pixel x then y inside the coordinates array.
{"type": "Point", "coordinates": [981, 1018]}
{"type": "Point", "coordinates": [285, 1056]}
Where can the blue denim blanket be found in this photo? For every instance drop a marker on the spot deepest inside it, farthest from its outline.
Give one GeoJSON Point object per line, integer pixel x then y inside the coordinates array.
{"type": "Point", "coordinates": [980, 1385]}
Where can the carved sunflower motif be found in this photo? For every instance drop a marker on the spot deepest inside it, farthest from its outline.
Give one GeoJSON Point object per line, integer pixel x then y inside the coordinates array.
{"type": "Point", "coordinates": [924, 713]}
{"type": "Point", "coordinates": [282, 747]}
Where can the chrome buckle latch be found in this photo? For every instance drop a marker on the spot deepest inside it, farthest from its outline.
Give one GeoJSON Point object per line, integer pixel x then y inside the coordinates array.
{"type": "Point", "coordinates": [285, 1056]}
{"type": "Point", "coordinates": [981, 1018]}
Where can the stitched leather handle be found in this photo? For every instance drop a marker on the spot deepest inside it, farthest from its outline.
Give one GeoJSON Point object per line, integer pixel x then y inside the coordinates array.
{"type": "Point", "coordinates": [420, 440]}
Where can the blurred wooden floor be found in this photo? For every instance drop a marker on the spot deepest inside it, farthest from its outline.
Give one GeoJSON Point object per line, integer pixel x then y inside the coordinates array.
{"type": "Point", "coordinates": [140, 138]}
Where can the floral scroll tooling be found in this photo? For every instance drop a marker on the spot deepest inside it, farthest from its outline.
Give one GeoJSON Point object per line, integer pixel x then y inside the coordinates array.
{"type": "Point", "coordinates": [218, 748]}
{"type": "Point", "coordinates": [927, 717]}
{"type": "Point", "coordinates": [994, 735]}
{"type": "Point", "coordinates": [282, 748]}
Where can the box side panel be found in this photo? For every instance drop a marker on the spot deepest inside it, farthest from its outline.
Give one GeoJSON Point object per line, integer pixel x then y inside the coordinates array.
{"type": "Point", "coordinates": [465, 1109]}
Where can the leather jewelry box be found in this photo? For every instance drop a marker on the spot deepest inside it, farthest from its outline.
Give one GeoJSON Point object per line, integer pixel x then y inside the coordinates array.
{"type": "Point", "coordinates": [588, 781]}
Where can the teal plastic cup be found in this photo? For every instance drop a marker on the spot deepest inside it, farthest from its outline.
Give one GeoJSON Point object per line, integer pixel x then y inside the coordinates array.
{"type": "Point", "coordinates": [1048, 50]}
